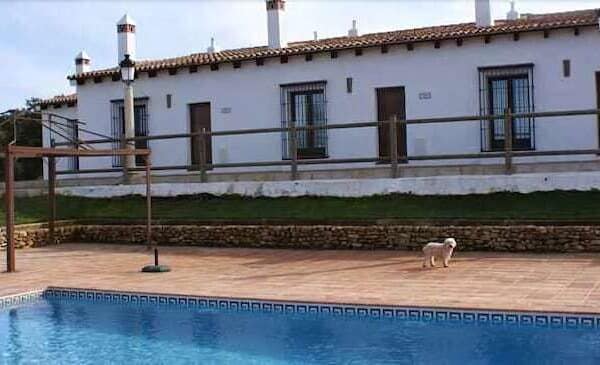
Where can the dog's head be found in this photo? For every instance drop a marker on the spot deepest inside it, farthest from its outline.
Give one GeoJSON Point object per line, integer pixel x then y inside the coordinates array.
{"type": "Point", "coordinates": [450, 242]}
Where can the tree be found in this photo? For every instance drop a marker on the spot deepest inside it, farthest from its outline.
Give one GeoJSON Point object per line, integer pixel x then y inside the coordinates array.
{"type": "Point", "coordinates": [28, 125]}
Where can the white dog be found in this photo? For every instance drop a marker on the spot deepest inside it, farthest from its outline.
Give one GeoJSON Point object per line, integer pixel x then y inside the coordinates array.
{"type": "Point", "coordinates": [435, 249]}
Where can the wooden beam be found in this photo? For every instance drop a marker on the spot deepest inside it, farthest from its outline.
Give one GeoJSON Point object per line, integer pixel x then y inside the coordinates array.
{"type": "Point", "coordinates": [237, 64]}
{"type": "Point", "coordinates": [260, 62]}
{"type": "Point", "coordinates": [9, 200]}
{"type": "Point", "coordinates": [516, 37]}
{"type": "Point", "coordinates": [308, 57]}
{"type": "Point", "coordinates": [193, 69]}
{"type": "Point", "coordinates": [385, 48]}
{"type": "Point", "coordinates": [487, 39]}
{"type": "Point", "coordinates": [173, 71]}
{"type": "Point", "coordinates": [25, 151]}
{"type": "Point", "coordinates": [410, 46]}
{"type": "Point", "coordinates": [437, 44]}
{"type": "Point", "coordinates": [334, 54]}
{"type": "Point", "coordinates": [283, 59]}
{"type": "Point", "coordinates": [98, 79]}
{"type": "Point", "coordinates": [358, 51]}
{"type": "Point", "coordinates": [459, 42]}
{"type": "Point", "coordinates": [546, 33]}
{"type": "Point", "coordinates": [214, 66]}
{"type": "Point", "coordinates": [576, 31]}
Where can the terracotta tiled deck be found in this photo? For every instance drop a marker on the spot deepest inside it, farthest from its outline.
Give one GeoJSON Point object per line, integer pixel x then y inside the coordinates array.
{"type": "Point", "coordinates": [568, 283]}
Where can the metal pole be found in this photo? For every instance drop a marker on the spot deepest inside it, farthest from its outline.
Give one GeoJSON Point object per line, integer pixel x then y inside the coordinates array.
{"type": "Point", "coordinates": [129, 160]}
{"type": "Point", "coordinates": [293, 151]}
{"type": "Point", "coordinates": [394, 146]}
{"type": "Point", "coordinates": [148, 202]}
{"type": "Point", "coordinates": [51, 199]}
{"type": "Point", "coordinates": [508, 139]}
{"type": "Point", "coordinates": [9, 198]}
{"type": "Point", "coordinates": [202, 148]}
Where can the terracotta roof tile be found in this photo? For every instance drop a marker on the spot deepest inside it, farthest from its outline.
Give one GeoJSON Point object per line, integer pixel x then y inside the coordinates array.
{"type": "Point", "coordinates": [59, 99]}
{"type": "Point", "coordinates": [530, 22]}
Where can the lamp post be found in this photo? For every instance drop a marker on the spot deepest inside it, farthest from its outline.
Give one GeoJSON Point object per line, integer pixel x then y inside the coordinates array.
{"type": "Point", "coordinates": [127, 66]}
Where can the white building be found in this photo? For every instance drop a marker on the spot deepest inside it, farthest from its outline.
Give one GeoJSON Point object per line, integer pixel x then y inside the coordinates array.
{"type": "Point", "coordinates": [530, 63]}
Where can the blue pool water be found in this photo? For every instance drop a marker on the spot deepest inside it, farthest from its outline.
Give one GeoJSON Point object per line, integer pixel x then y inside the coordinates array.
{"type": "Point", "coordinates": [52, 331]}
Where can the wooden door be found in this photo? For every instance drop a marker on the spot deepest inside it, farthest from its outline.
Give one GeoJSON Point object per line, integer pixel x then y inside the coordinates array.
{"type": "Point", "coordinates": [390, 102]}
{"type": "Point", "coordinates": [199, 119]}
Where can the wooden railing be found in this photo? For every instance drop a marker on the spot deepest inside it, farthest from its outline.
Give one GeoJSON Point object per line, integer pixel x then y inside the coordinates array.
{"type": "Point", "coordinates": [508, 154]}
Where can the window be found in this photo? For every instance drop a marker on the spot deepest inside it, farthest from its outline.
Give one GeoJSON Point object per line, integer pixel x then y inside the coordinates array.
{"type": "Point", "coordinates": [305, 105]}
{"type": "Point", "coordinates": [502, 88]}
{"type": "Point", "coordinates": [140, 115]}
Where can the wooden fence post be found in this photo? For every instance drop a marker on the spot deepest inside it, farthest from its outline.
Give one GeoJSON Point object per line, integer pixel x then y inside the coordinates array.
{"type": "Point", "coordinates": [51, 199]}
{"type": "Point", "coordinates": [393, 124]}
{"type": "Point", "coordinates": [508, 142]}
{"type": "Point", "coordinates": [202, 149]}
{"type": "Point", "coordinates": [293, 147]}
{"type": "Point", "coordinates": [148, 162]}
{"type": "Point", "coordinates": [9, 200]}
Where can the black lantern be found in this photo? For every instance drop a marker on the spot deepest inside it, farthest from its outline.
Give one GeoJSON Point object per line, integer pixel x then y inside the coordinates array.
{"type": "Point", "coordinates": [127, 70]}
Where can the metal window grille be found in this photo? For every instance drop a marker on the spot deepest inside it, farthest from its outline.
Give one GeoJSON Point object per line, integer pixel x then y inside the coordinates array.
{"type": "Point", "coordinates": [501, 88]}
{"type": "Point", "coordinates": [140, 114]}
{"type": "Point", "coordinates": [306, 105]}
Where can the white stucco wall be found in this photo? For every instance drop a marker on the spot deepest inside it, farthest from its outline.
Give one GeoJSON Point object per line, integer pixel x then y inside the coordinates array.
{"type": "Point", "coordinates": [438, 185]}
{"type": "Point", "coordinates": [66, 112]}
{"type": "Point", "coordinates": [450, 74]}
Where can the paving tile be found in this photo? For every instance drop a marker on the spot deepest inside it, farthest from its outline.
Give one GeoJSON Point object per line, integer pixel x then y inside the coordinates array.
{"type": "Point", "coordinates": [566, 283]}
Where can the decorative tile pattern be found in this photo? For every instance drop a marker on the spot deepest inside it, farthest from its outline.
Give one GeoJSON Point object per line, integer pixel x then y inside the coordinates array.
{"type": "Point", "coordinates": [478, 317]}
{"type": "Point", "coordinates": [19, 299]}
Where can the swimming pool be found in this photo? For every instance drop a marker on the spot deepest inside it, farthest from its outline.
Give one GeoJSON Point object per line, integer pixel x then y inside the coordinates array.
{"type": "Point", "coordinates": [85, 326]}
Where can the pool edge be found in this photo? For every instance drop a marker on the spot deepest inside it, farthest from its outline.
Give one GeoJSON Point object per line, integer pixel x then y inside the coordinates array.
{"type": "Point", "coordinates": [407, 312]}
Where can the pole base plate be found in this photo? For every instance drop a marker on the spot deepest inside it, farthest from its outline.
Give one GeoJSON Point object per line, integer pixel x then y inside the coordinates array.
{"type": "Point", "coordinates": [156, 268]}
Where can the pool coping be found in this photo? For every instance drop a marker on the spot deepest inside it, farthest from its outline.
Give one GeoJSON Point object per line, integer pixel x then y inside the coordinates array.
{"type": "Point", "coordinates": [554, 319]}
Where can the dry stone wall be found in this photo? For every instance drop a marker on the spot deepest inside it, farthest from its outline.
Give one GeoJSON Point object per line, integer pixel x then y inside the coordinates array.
{"type": "Point", "coordinates": [510, 238]}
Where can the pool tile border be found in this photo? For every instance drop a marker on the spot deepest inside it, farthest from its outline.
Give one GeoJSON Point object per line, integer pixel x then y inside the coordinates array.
{"type": "Point", "coordinates": [479, 317]}
{"type": "Point", "coordinates": [448, 315]}
{"type": "Point", "coordinates": [21, 298]}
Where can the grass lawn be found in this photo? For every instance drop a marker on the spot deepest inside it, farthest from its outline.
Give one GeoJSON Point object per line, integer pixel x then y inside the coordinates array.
{"type": "Point", "coordinates": [551, 206]}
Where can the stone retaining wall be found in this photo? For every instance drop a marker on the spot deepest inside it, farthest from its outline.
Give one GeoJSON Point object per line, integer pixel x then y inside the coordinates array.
{"type": "Point", "coordinates": [519, 238]}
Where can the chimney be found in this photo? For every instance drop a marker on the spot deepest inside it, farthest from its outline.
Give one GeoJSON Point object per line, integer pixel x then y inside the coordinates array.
{"type": "Point", "coordinates": [483, 13]}
{"type": "Point", "coordinates": [82, 63]}
{"type": "Point", "coordinates": [213, 47]}
{"type": "Point", "coordinates": [126, 38]}
{"type": "Point", "coordinates": [315, 35]}
{"type": "Point", "coordinates": [276, 23]}
{"type": "Point", "coordinates": [513, 14]}
{"type": "Point", "coordinates": [353, 32]}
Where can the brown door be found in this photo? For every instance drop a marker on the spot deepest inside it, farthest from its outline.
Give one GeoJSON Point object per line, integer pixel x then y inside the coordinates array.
{"type": "Point", "coordinates": [390, 102]}
{"type": "Point", "coordinates": [598, 102]}
{"type": "Point", "coordinates": [199, 119]}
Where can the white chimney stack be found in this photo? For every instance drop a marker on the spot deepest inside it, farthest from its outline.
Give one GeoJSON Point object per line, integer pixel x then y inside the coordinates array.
{"type": "Point", "coordinates": [276, 23]}
{"type": "Point", "coordinates": [82, 63]}
{"type": "Point", "coordinates": [353, 32]}
{"type": "Point", "coordinates": [483, 13]}
{"type": "Point", "coordinates": [213, 47]}
{"type": "Point", "coordinates": [316, 35]}
{"type": "Point", "coordinates": [513, 14]}
{"type": "Point", "coordinates": [126, 37]}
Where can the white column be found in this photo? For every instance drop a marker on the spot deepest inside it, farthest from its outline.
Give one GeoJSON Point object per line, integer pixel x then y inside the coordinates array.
{"type": "Point", "coordinates": [129, 124]}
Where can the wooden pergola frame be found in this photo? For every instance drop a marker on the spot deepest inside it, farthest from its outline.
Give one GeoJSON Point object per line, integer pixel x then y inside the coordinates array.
{"type": "Point", "coordinates": [13, 152]}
